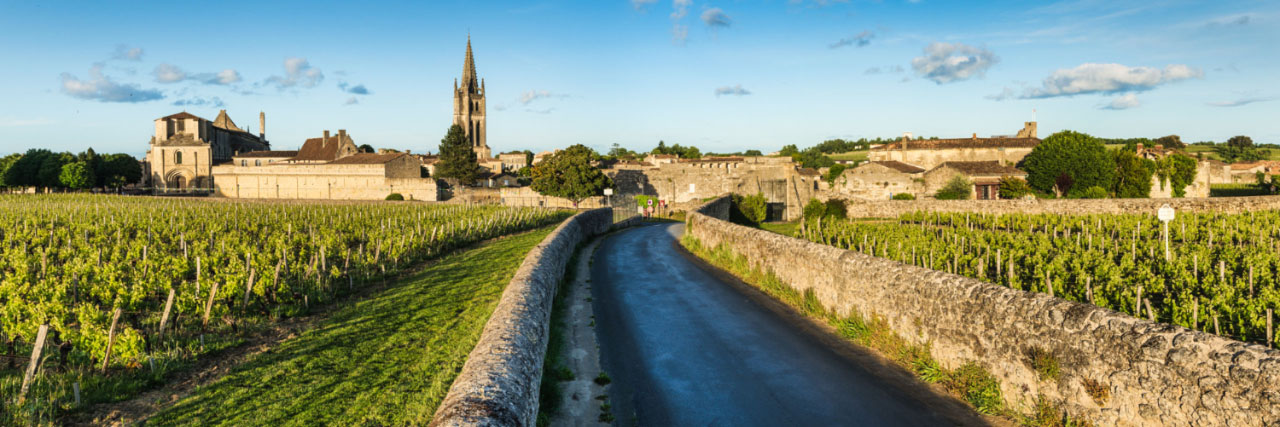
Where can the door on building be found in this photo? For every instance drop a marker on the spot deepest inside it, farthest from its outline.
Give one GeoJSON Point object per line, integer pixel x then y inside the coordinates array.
{"type": "Point", "coordinates": [775, 211]}
{"type": "Point", "coordinates": [179, 182]}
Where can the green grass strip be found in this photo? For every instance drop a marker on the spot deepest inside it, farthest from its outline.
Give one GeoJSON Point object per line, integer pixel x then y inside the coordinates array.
{"type": "Point", "coordinates": [385, 360]}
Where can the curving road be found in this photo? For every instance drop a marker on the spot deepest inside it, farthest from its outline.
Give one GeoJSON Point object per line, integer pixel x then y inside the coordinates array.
{"type": "Point", "coordinates": [687, 346]}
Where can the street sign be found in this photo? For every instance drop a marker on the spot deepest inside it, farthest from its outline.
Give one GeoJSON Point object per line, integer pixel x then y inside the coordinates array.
{"type": "Point", "coordinates": [608, 191]}
{"type": "Point", "coordinates": [1165, 213]}
{"type": "Point", "coordinates": [650, 202]}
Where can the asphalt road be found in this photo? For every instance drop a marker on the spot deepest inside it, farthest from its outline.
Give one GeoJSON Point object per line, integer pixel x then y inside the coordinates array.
{"type": "Point", "coordinates": [686, 346]}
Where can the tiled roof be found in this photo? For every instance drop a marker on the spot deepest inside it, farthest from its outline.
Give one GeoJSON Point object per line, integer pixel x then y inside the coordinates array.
{"type": "Point", "coordinates": [224, 121]}
{"type": "Point", "coordinates": [182, 115]}
{"type": "Point", "coordinates": [366, 159]}
{"type": "Point", "coordinates": [982, 168]}
{"type": "Point", "coordinates": [252, 154]}
{"type": "Point", "coordinates": [314, 149]}
{"type": "Point", "coordinates": [938, 144]}
{"type": "Point", "coordinates": [898, 166]}
{"type": "Point", "coordinates": [713, 160]}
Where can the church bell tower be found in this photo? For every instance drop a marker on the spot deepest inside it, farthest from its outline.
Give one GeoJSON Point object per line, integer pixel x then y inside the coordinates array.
{"type": "Point", "coordinates": [468, 106]}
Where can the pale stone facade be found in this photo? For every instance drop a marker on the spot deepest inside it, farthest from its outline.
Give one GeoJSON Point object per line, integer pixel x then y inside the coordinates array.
{"type": "Point", "coordinates": [786, 187]}
{"type": "Point", "coordinates": [185, 148]}
{"type": "Point", "coordinates": [512, 162]}
{"type": "Point", "coordinates": [879, 181]}
{"type": "Point", "coordinates": [984, 177]}
{"type": "Point", "coordinates": [929, 153]}
{"type": "Point", "coordinates": [469, 106]}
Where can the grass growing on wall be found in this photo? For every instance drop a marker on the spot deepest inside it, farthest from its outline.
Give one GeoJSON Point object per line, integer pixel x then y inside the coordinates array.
{"type": "Point", "coordinates": [386, 360]}
{"type": "Point", "coordinates": [970, 381]}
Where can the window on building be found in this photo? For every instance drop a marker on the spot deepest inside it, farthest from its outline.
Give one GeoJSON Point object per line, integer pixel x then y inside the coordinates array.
{"type": "Point", "coordinates": [177, 158]}
{"type": "Point", "coordinates": [182, 125]}
{"type": "Point", "coordinates": [244, 163]}
{"type": "Point", "coordinates": [257, 163]}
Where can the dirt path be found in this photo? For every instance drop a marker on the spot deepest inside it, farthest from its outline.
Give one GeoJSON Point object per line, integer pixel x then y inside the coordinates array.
{"type": "Point", "coordinates": [582, 401]}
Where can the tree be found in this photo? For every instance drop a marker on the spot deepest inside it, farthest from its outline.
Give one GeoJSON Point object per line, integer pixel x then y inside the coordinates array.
{"type": "Point", "coordinates": [660, 149]}
{"type": "Point", "coordinates": [1094, 193]}
{"type": "Point", "coordinates": [789, 150]}
{"type": "Point", "coordinates": [1080, 157]}
{"type": "Point", "coordinates": [119, 170]}
{"type": "Point", "coordinates": [1240, 148]}
{"type": "Point", "coordinates": [835, 209]}
{"type": "Point", "coordinates": [1012, 187]}
{"type": "Point", "coordinates": [958, 188]}
{"type": "Point", "coordinates": [457, 159]}
{"type": "Point", "coordinates": [26, 170]}
{"type": "Point", "coordinates": [812, 158]}
{"type": "Point", "coordinates": [50, 173]}
{"type": "Point", "coordinates": [569, 174]}
{"type": "Point", "coordinates": [365, 148]}
{"type": "Point", "coordinates": [1177, 170]}
{"type": "Point", "coordinates": [1171, 142]}
{"type": "Point", "coordinates": [76, 175]}
{"type": "Point", "coordinates": [749, 210]}
{"type": "Point", "coordinates": [528, 158]}
{"type": "Point", "coordinates": [93, 162]}
{"type": "Point", "coordinates": [814, 209]}
{"type": "Point", "coordinates": [752, 153]}
{"type": "Point", "coordinates": [834, 173]}
{"type": "Point", "coordinates": [5, 163]}
{"type": "Point", "coordinates": [1132, 176]}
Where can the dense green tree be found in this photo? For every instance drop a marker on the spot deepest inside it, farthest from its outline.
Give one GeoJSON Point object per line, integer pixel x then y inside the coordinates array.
{"type": "Point", "coordinates": [814, 209]}
{"type": "Point", "coordinates": [812, 158]}
{"type": "Point", "coordinates": [1132, 176]}
{"type": "Point", "coordinates": [50, 173]}
{"type": "Point", "coordinates": [834, 208]}
{"type": "Point", "coordinates": [365, 148]}
{"type": "Point", "coordinates": [1240, 148]}
{"type": "Point", "coordinates": [457, 159]}
{"type": "Point", "coordinates": [833, 173]}
{"type": "Point", "coordinates": [1081, 158]}
{"type": "Point", "coordinates": [26, 170]}
{"type": "Point", "coordinates": [958, 188]}
{"type": "Point", "coordinates": [570, 174]}
{"type": "Point", "coordinates": [789, 150]}
{"type": "Point", "coordinates": [752, 153]}
{"type": "Point", "coordinates": [5, 163]}
{"type": "Point", "coordinates": [76, 175]}
{"type": "Point", "coordinates": [1094, 192]}
{"type": "Point", "coordinates": [1171, 142]}
{"type": "Point", "coordinates": [1012, 187]}
{"type": "Point", "coordinates": [93, 162]}
{"type": "Point", "coordinates": [528, 158]}
{"type": "Point", "coordinates": [119, 170]}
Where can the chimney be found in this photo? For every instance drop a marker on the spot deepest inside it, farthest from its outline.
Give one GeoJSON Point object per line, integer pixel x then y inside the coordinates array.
{"type": "Point", "coordinates": [262, 125]}
{"type": "Point", "coordinates": [975, 135]}
{"type": "Point", "coordinates": [325, 141]}
{"type": "Point", "coordinates": [342, 135]}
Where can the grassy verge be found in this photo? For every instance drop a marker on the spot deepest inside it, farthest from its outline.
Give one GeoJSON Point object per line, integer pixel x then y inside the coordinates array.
{"type": "Point", "coordinates": [554, 369]}
{"type": "Point", "coordinates": [783, 228]}
{"type": "Point", "coordinates": [385, 360]}
{"type": "Point", "coordinates": [970, 382]}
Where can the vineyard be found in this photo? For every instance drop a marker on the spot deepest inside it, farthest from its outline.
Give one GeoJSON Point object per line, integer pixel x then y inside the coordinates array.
{"type": "Point", "coordinates": [1221, 275]}
{"type": "Point", "coordinates": [131, 288]}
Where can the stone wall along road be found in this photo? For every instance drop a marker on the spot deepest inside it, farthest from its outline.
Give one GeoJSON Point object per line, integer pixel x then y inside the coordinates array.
{"type": "Point", "coordinates": [498, 385]}
{"type": "Point", "coordinates": [1153, 374]}
{"type": "Point", "coordinates": [894, 208]}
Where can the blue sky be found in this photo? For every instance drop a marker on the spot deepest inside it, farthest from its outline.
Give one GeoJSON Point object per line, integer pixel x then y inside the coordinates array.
{"type": "Point", "coordinates": [721, 75]}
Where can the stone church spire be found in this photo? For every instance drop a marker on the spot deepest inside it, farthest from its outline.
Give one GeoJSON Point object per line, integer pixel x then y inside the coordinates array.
{"type": "Point", "coordinates": [469, 69]}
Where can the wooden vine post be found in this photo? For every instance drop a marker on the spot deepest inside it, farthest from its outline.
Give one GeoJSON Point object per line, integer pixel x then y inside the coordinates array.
{"type": "Point", "coordinates": [35, 362]}
{"type": "Point", "coordinates": [111, 339]}
{"type": "Point", "coordinates": [208, 305]}
{"type": "Point", "coordinates": [164, 318]}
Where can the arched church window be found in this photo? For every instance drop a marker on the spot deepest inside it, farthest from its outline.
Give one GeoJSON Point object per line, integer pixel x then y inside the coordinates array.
{"type": "Point", "coordinates": [177, 158]}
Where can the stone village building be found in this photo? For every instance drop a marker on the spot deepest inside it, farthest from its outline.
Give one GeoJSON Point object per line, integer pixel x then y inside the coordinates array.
{"type": "Point", "coordinates": [185, 147]}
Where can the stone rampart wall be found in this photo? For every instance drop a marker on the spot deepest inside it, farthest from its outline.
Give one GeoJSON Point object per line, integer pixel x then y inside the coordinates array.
{"type": "Point", "coordinates": [894, 208]}
{"type": "Point", "coordinates": [498, 385]}
{"type": "Point", "coordinates": [1155, 374]}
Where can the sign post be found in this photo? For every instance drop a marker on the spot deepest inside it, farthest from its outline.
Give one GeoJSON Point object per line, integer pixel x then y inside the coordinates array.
{"type": "Point", "coordinates": [1165, 214]}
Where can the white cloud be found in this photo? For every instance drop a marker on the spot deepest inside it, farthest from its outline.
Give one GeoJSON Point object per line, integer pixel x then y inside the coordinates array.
{"type": "Point", "coordinates": [860, 40]}
{"type": "Point", "coordinates": [214, 102]}
{"type": "Point", "coordinates": [681, 9]}
{"type": "Point", "coordinates": [735, 90]}
{"type": "Point", "coordinates": [641, 4]}
{"type": "Point", "coordinates": [169, 73]}
{"type": "Point", "coordinates": [1108, 79]}
{"type": "Point", "coordinates": [1124, 102]}
{"type": "Point", "coordinates": [298, 72]}
{"type": "Point", "coordinates": [714, 17]}
{"type": "Point", "coordinates": [534, 95]}
{"type": "Point", "coordinates": [679, 33]}
{"type": "Point", "coordinates": [126, 53]}
{"type": "Point", "coordinates": [99, 87]}
{"type": "Point", "coordinates": [953, 62]}
{"type": "Point", "coordinates": [1243, 101]}
{"type": "Point", "coordinates": [358, 89]}
{"type": "Point", "coordinates": [351, 101]}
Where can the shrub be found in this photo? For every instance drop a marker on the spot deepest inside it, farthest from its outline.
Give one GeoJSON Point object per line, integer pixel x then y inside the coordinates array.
{"type": "Point", "coordinates": [903, 196]}
{"type": "Point", "coordinates": [834, 209]}
{"type": "Point", "coordinates": [1012, 187]}
{"type": "Point", "coordinates": [395, 196]}
{"type": "Point", "coordinates": [1094, 192]}
{"type": "Point", "coordinates": [957, 188]}
{"type": "Point", "coordinates": [833, 173]}
{"type": "Point", "coordinates": [814, 209]}
{"type": "Point", "coordinates": [749, 210]}
{"type": "Point", "coordinates": [1083, 159]}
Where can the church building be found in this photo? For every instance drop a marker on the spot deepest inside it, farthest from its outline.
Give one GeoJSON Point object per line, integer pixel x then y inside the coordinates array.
{"type": "Point", "coordinates": [185, 148]}
{"type": "Point", "coordinates": [468, 107]}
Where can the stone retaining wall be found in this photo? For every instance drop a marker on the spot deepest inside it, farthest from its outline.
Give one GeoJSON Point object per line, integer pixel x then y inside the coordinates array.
{"type": "Point", "coordinates": [498, 385]}
{"type": "Point", "coordinates": [1155, 374]}
{"type": "Point", "coordinates": [894, 208]}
